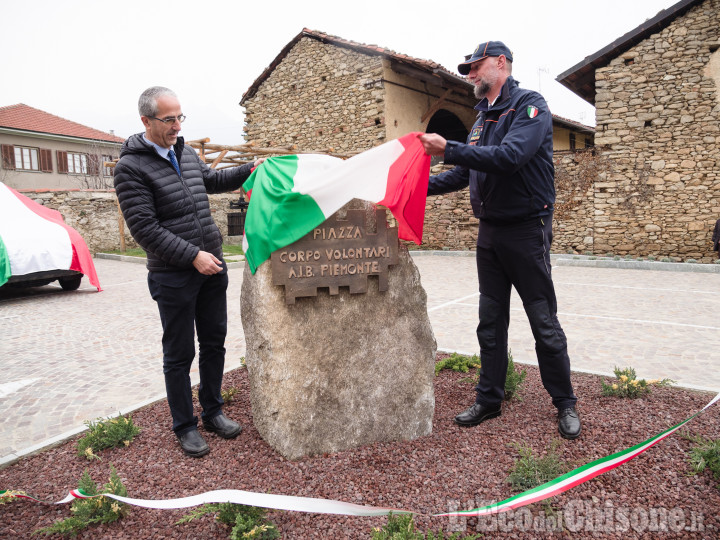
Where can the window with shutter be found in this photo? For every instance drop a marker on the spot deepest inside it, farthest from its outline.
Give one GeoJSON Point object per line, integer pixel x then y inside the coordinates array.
{"type": "Point", "coordinates": [62, 161]}
{"type": "Point", "coordinates": [93, 165]}
{"type": "Point", "coordinates": [107, 171]}
{"type": "Point", "coordinates": [46, 160]}
{"type": "Point", "coordinates": [8, 156]}
{"type": "Point", "coordinates": [26, 158]}
{"type": "Point", "coordinates": [77, 163]}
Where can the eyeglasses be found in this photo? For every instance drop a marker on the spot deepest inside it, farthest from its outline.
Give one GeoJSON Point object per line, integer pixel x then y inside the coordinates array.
{"type": "Point", "coordinates": [170, 119]}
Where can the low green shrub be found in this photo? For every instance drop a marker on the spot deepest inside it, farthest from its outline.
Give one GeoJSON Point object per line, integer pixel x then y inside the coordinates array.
{"type": "Point", "coordinates": [107, 433]}
{"type": "Point", "coordinates": [706, 455]}
{"type": "Point", "coordinates": [10, 495]}
{"type": "Point", "coordinates": [530, 471]}
{"type": "Point", "coordinates": [403, 527]}
{"type": "Point", "coordinates": [87, 512]}
{"type": "Point", "coordinates": [458, 362]}
{"type": "Point", "coordinates": [514, 379]}
{"type": "Point", "coordinates": [463, 364]}
{"type": "Point", "coordinates": [229, 394]}
{"type": "Point", "coordinates": [244, 521]}
{"type": "Point", "coordinates": [628, 385]}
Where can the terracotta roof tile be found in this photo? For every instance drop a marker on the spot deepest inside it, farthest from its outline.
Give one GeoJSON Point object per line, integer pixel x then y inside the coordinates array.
{"type": "Point", "coordinates": [425, 65]}
{"type": "Point", "coordinates": [573, 122]}
{"type": "Point", "coordinates": [27, 118]}
{"type": "Point", "coordinates": [382, 50]}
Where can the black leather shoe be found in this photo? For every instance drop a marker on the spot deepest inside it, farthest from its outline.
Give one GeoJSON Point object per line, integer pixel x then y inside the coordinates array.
{"type": "Point", "coordinates": [223, 426]}
{"type": "Point", "coordinates": [569, 423]}
{"type": "Point", "coordinates": [476, 414]}
{"type": "Point", "coordinates": [193, 444]}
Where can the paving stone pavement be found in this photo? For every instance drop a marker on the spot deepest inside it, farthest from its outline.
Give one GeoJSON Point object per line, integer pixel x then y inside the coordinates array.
{"type": "Point", "coordinates": [69, 357]}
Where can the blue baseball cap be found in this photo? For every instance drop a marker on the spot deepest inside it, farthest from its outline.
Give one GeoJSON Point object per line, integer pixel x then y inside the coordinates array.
{"type": "Point", "coordinates": [485, 49]}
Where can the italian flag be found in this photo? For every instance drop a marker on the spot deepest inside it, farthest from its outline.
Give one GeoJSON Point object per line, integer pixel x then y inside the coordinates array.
{"type": "Point", "coordinates": [291, 195]}
{"type": "Point", "coordinates": [34, 238]}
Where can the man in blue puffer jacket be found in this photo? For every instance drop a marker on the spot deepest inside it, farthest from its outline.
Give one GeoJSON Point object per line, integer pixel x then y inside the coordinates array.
{"type": "Point", "coordinates": [162, 188]}
{"type": "Point", "coordinates": [507, 162]}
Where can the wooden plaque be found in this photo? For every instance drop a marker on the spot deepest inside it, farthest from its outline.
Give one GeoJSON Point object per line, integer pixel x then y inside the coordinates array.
{"type": "Point", "coordinates": [337, 253]}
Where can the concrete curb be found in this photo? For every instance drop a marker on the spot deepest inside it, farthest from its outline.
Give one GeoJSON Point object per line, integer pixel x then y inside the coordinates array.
{"type": "Point", "coordinates": [597, 262]}
{"type": "Point", "coordinates": [57, 440]}
{"type": "Point", "coordinates": [143, 260]}
{"type": "Point", "coordinates": [123, 258]}
{"type": "Point", "coordinates": [64, 437]}
{"type": "Point", "coordinates": [443, 253]}
{"type": "Point", "coordinates": [585, 260]}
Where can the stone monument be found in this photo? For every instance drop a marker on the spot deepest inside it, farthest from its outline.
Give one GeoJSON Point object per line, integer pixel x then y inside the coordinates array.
{"type": "Point", "coordinates": [340, 352]}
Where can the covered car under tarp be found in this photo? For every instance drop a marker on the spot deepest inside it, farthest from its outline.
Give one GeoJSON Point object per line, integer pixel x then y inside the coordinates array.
{"type": "Point", "coordinates": [37, 247]}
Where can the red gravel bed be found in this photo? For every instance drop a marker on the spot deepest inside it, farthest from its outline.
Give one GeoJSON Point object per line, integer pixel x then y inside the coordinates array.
{"type": "Point", "coordinates": [452, 468]}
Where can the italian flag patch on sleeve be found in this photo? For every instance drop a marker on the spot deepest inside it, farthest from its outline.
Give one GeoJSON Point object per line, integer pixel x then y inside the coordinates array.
{"type": "Point", "coordinates": [532, 111]}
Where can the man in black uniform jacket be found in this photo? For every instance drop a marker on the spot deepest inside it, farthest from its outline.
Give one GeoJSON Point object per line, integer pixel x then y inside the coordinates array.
{"type": "Point", "coordinates": [507, 162]}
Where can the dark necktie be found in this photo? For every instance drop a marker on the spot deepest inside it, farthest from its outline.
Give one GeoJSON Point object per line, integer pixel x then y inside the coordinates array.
{"type": "Point", "coordinates": [173, 160]}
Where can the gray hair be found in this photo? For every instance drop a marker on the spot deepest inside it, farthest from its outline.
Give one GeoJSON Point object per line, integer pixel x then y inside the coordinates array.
{"type": "Point", "coordinates": [147, 104]}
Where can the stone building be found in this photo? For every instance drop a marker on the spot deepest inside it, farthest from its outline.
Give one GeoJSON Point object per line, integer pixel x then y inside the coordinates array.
{"type": "Point", "coordinates": [657, 99]}
{"type": "Point", "coordinates": [324, 92]}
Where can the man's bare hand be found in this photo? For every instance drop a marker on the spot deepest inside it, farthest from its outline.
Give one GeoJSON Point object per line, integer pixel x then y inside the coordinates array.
{"type": "Point", "coordinates": [207, 263]}
{"type": "Point", "coordinates": [258, 162]}
{"type": "Point", "coordinates": [433, 143]}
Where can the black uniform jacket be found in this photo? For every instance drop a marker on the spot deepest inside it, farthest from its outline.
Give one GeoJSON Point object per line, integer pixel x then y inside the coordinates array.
{"type": "Point", "coordinates": [507, 160]}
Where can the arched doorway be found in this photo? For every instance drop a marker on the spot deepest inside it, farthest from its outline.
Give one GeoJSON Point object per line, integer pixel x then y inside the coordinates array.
{"type": "Point", "coordinates": [448, 125]}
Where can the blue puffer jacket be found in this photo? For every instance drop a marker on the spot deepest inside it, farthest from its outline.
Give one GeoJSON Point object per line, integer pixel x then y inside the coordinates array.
{"type": "Point", "coordinates": [507, 160]}
{"type": "Point", "coordinates": [168, 216]}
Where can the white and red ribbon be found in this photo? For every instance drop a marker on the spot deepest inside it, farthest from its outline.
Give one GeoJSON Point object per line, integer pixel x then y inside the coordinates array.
{"type": "Point", "coordinates": [326, 506]}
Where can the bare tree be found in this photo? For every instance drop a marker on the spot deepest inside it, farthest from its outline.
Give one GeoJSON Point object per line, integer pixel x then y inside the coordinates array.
{"type": "Point", "coordinates": [91, 172]}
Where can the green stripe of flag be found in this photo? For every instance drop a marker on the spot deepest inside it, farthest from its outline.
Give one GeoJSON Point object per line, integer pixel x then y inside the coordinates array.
{"type": "Point", "coordinates": [5, 271]}
{"type": "Point", "coordinates": [277, 216]}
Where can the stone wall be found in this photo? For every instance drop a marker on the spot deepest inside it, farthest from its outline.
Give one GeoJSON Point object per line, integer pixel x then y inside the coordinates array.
{"type": "Point", "coordinates": [657, 187]}
{"type": "Point", "coordinates": [450, 224]}
{"type": "Point", "coordinates": [95, 215]}
{"type": "Point", "coordinates": [449, 221]}
{"type": "Point", "coordinates": [323, 95]}
{"type": "Point", "coordinates": [572, 231]}
{"type": "Point", "coordinates": [658, 122]}
{"type": "Point", "coordinates": [351, 115]}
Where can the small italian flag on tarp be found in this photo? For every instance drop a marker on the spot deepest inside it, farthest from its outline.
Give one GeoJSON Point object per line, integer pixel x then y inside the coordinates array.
{"type": "Point", "coordinates": [291, 195]}
{"type": "Point", "coordinates": [34, 238]}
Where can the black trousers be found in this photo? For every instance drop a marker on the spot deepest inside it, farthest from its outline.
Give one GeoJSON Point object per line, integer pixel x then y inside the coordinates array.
{"type": "Point", "coordinates": [518, 255]}
{"type": "Point", "coordinates": [189, 301]}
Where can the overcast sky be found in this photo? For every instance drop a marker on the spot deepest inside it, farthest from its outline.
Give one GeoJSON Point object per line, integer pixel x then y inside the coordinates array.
{"type": "Point", "coordinates": [89, 60]}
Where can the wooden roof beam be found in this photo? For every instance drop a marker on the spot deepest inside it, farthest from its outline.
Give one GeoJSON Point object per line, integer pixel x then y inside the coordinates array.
{"type": "Point", "coordinates": [435, 107]}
